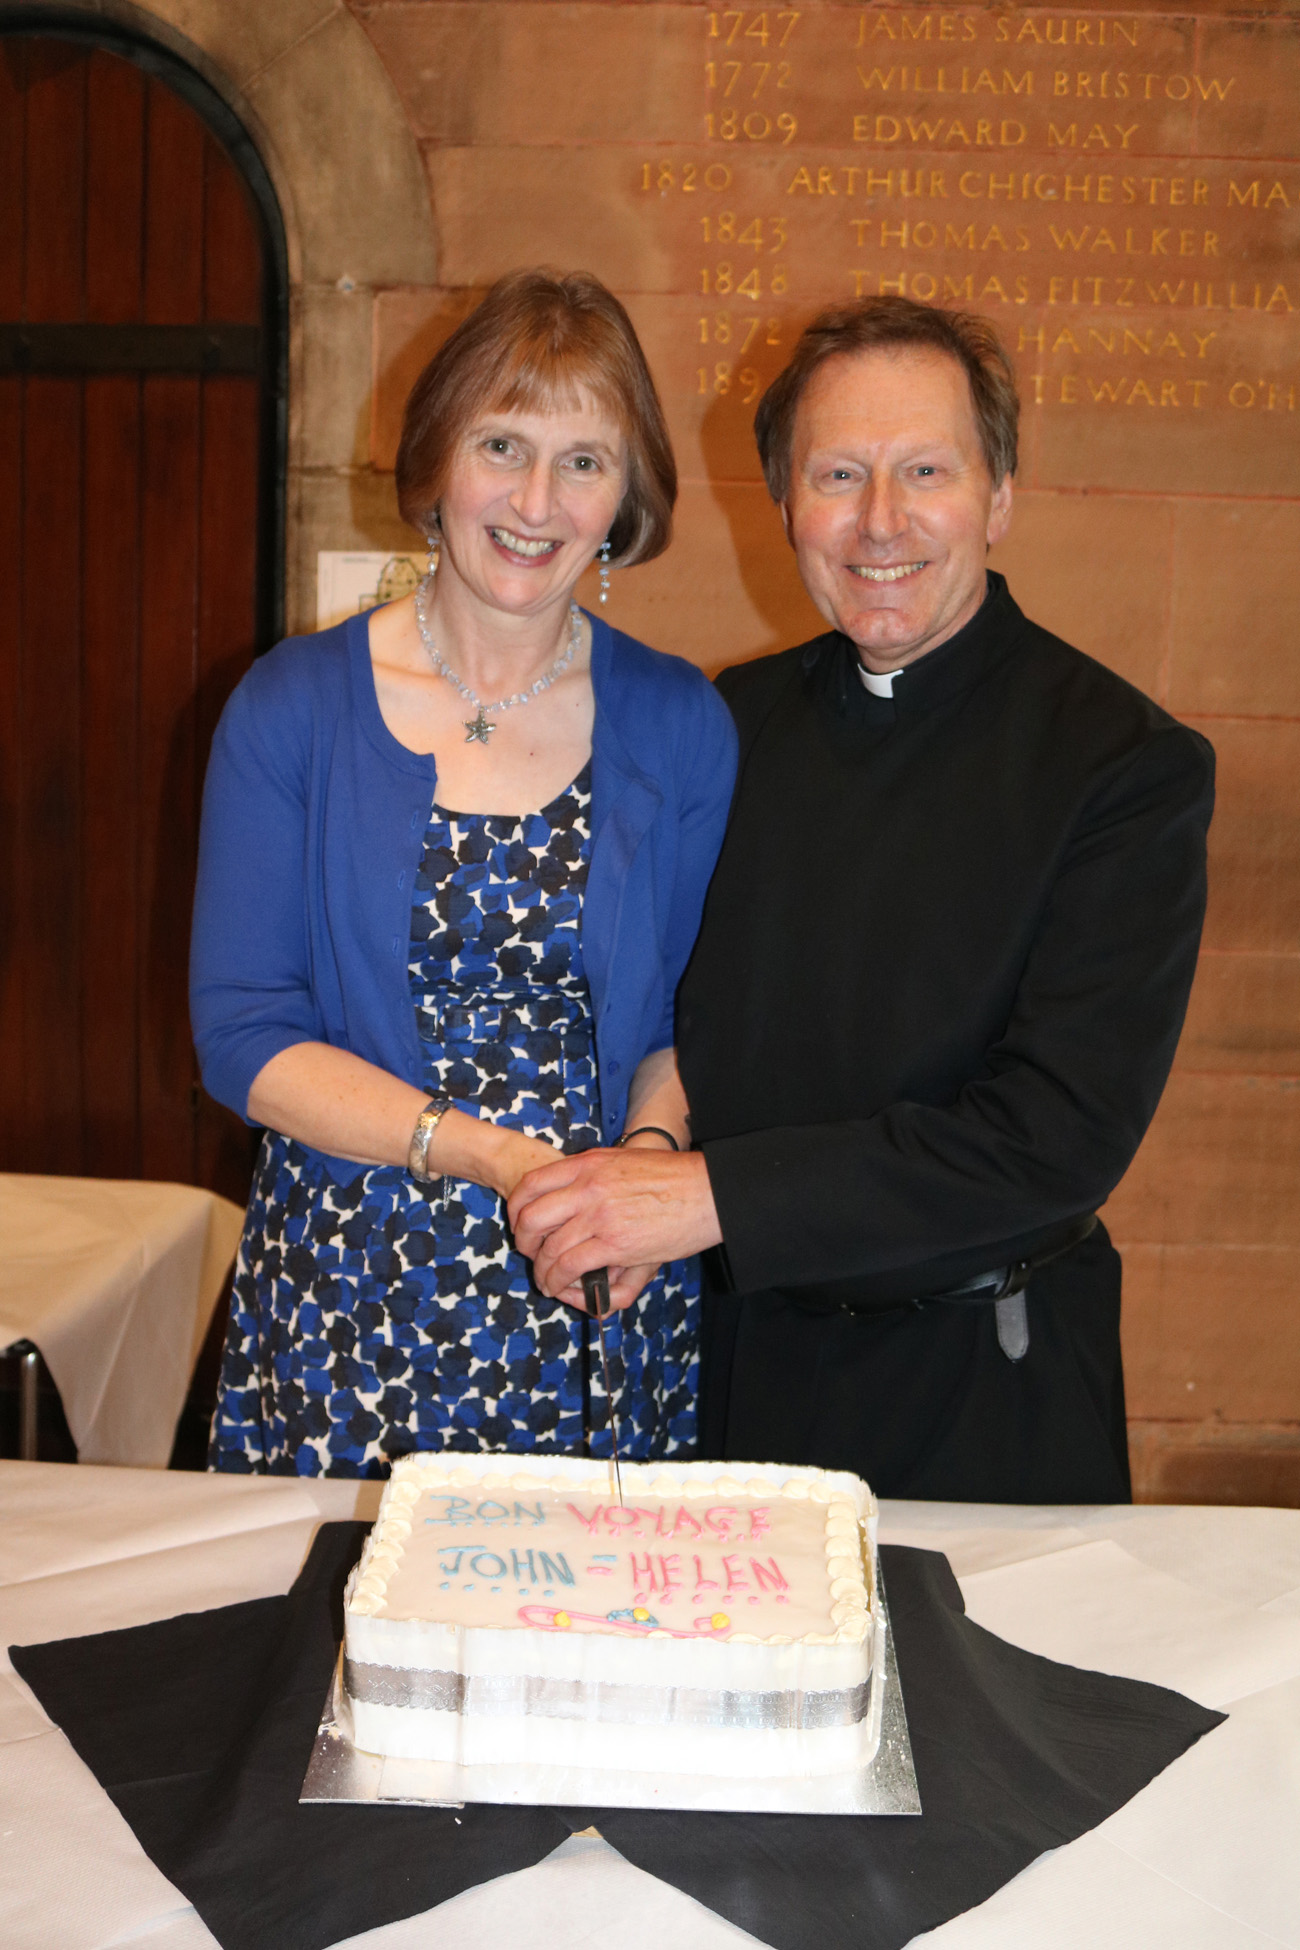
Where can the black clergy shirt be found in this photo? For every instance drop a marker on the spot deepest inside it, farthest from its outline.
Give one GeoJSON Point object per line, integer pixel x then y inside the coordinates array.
{"type": "Point", "coordinates": [942, 970]}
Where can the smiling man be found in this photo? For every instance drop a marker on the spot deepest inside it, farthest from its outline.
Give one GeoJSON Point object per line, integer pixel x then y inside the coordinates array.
{"type": "Point", "coordinates": [941, 976]}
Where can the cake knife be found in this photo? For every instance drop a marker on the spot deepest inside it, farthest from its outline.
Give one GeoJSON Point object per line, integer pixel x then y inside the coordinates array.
{"type": "Point", "coordinates": [595, 1289]}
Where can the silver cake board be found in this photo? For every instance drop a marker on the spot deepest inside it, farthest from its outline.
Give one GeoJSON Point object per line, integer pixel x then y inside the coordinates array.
{"type": "Point", "coordinates": [339, 1771]}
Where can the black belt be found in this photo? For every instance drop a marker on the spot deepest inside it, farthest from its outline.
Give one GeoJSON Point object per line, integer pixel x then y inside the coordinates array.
{"type": "Point", "coordinates": [1004, 1287]}
{"type": "Point", "coordinates": [1002, 1282]}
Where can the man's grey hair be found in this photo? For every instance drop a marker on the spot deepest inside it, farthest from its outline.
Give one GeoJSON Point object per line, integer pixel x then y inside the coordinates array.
{"type": "Point", "coordinates": [892, 324]}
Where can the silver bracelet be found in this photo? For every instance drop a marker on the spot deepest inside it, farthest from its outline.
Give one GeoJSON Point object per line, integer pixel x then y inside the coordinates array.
{"type": "Point", "coordinates": [417, 1158]}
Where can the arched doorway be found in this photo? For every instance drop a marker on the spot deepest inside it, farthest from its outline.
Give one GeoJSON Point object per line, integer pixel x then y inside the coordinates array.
{"type": "Point", "coordinates": [142, 293]}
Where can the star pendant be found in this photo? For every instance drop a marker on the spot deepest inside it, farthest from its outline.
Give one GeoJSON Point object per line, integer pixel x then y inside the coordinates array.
{"type": "Point", "coordinates": [478, 730]}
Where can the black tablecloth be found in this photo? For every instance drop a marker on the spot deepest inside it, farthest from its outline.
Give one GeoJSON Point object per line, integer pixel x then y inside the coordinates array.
{"type": "Point", "coordinates": [200, 1729]}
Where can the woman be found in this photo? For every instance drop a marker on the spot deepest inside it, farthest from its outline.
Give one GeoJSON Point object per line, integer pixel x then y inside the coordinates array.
{"type": "Point", "coordinates": [453, 859]}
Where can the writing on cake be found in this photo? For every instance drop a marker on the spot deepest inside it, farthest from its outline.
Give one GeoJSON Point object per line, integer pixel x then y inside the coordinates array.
{"type": "Point", "coordinates": [680, 1579]}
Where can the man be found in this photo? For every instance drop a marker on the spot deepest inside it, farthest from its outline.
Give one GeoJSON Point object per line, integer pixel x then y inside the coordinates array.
{"type": "Point", "coordinates": [941, 975]}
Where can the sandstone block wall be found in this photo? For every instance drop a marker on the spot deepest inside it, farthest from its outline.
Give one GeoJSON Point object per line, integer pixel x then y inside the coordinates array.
{"type": "Point", "coordinates": [1120, 192]}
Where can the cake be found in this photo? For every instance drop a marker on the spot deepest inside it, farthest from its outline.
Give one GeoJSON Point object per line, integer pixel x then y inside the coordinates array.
{"type": "Point", "coordinates": [714, 1623]}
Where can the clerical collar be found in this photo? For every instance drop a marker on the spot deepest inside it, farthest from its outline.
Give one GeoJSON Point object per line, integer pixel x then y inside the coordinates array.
{"type": "Point", "coordinates": [879, 684]}
{"type": "Point", "coordinates": [951, 667]}
{"type": "Point", "coordinates": [835, 677]}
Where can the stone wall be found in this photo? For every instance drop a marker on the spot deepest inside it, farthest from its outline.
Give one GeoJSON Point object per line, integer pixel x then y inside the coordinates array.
{"type": "Point", "coordinates": [1120, 192]}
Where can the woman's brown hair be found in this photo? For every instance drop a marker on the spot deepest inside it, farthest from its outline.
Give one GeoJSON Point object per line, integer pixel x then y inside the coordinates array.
{"type": "Point", "coordinates": [540, 340]}
{"type": "Point", "coordinates": [891, 325]}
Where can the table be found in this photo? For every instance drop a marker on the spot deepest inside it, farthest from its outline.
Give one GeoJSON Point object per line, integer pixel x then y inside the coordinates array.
{"type": "Point", "coordinates": [1205, 1858]}
{"type": "Point", "coordinates": [114, 1280]}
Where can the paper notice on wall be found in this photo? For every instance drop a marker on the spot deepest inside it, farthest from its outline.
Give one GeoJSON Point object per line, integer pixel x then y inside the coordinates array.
{"type": "Point", "coordinates": [351, 580]}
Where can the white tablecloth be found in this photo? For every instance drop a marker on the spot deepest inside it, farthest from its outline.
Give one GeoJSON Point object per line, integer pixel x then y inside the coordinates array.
{"type": "Point", "coordinates": [115, 1281]}
{"type": "Point", "coordinates": [1205, 1858]}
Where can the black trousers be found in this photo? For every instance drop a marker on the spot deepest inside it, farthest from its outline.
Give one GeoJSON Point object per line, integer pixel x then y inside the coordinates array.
{"type": "Point", "coordinates": [920, 1399]}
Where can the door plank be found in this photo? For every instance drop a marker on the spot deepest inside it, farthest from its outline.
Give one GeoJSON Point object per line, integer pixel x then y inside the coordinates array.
{"type": "Point", "coordinates": [114, 191]}
{"type": "Point", "coordinates": [13, 70]}
{"type": "Point", "coordinates": [169, 524]}
{"type": "Point", "coordinates": [227, 621]}
{"type": "Point", "coordinates": [110, 827]}
{"type": "Point", "coordinates": [12, 774]}
{"type": "Point", "coordinates": [56, 161]}
{"type": "Point", "coordinates": [173, 210]}
{"type": "Point", "coordinates": [49, 821]}
{"type": "Point", "coordinates": [232, 258]}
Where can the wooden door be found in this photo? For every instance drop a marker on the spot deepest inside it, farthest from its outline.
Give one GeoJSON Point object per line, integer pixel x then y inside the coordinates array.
{"type": "Point", "coordinates": [133, 398]}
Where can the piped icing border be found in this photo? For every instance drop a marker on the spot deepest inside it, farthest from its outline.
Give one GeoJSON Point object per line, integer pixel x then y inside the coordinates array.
{"type": "Point", "coordinates": [847, 1570]}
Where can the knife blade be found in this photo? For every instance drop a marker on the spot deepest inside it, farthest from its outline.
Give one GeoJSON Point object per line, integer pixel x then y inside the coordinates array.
{"type": "Point", "coordinates": [595, 1289]}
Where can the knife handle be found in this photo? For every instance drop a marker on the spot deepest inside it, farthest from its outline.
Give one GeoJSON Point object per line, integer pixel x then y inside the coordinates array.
{"type": "Point", "coordinates": [595, 1290]}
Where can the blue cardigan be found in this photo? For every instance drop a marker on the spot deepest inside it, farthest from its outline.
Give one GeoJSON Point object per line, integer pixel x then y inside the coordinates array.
{"type": "Point", "coordinates": [313, 824]}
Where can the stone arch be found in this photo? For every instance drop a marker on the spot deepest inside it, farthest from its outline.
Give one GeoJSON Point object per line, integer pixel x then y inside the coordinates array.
{"type": "Point", "coordinates": [306, 83]}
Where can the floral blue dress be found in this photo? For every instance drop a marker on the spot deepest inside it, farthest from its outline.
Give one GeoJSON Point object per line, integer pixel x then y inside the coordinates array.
{"type": "Point", "coordinates": [380, 1316]}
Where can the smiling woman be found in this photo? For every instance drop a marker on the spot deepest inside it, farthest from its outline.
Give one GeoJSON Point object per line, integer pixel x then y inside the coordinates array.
{"type": "Point", "coordinates": [475, 969]}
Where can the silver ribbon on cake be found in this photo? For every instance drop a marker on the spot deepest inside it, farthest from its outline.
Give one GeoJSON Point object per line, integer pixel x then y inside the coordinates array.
{"type": "Point", "coordinates": [508, 1696]}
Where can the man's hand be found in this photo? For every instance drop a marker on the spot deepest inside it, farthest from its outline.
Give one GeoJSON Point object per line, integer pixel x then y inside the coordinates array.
{"type": "Point", "coordinates": [625, 1284]}
{"type": "Point", "coordinates": [625, 1209]}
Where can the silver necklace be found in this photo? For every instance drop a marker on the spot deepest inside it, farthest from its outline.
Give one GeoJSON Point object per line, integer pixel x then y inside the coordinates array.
{"type": "Point", "coordinates": [478, 730]}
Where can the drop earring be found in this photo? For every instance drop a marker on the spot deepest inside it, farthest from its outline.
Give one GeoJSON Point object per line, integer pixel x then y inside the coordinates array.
{"type": "Point", "coordinates": [603, 559]}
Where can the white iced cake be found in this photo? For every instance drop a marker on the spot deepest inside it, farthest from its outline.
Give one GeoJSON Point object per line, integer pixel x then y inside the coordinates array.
{"type": "Point", "coordinates": [721, 1621]}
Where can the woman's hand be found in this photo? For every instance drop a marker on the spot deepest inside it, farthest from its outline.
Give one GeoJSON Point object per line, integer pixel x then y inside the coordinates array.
{"type": "Point", "coordinates": [509, 1155]}
{"type": "Point", "coordinates": [337, 1102]}
{"type": "Point", "coordinates": [485, 1153]}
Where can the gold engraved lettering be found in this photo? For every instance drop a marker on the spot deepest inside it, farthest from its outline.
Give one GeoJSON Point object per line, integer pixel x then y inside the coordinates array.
{"type": "Point", "coordinates": [730, 27]}
{"type": "Point", "coordinates": [946, 81]}
{"type": "Point", "coordinates": [925, 236]}
{"type": "Point", "coordinates": [755, 126]}
{"type": "Point", "coordinates": [1152, 243]}
{"type": "Point", "coordinates": [1127, 391]}
{"type": "Point", "coordinates": [1064, 33]}
{"type": "Point", "coordinates": [1255, 196]}
{"type": "Point", "coordinates": [1269, 395]}
{"type": "Point", "coordinates": [1112, 136]}
{"type": "Point", "coordinates": [884, 130]}
{"type": "Point", "coordinates": [725, 76]}
{"type": "Point", "coordinates": [1173, 190]}
{"type": "Point", "coordinates": [754, 233]}
{"type": "Point", "coordinates": [902, 183]}
{"type": "Point", "coordinates": [1018, 140]}
{"type": "Point", "coordinates": [907, 26]}
{"type": "Point", "coordinates": [926, 287]}
{"type": "Point", "coordinates": [1117, 342]}
{"type": "Point", "coordinates": [722, 327]}
{"type": "Point", "coordinates": [1122, 85]}
{"type": "Point", "coordinates": [663, 177]}
{"type": "Point", "coordinates": [720, 379]}
{"type": "Point", "coordinates": [721, 281]}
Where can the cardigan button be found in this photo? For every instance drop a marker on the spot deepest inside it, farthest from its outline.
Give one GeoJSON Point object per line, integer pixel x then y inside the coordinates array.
{"type": "Point", "coordinates": [613, 1069]}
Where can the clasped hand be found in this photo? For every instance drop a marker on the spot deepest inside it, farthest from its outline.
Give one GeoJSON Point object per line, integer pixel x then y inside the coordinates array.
{"type": "Point", "coordinates": [628, 1210]}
